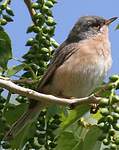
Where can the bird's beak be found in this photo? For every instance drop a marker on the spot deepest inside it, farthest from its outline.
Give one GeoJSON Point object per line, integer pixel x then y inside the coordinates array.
{"type": "Point", "coordinates": [109, 21]}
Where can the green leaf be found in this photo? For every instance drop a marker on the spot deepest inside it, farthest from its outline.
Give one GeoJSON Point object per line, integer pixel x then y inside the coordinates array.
{"type": "Point", "coordinates": [11, 115]}
{"type": "Point", "coordinates": [67, 141]}
{"type": "Point", "coordinates": [5, 49]}
{"type": "Point", "coordinates": [52, 111]}
{"type": "Point", "coordinates": [72, 138]}
{"type": "Point", "coordinates": [2, 125]}
{"type": "Point", "coordinates": [76, 137]}
{"type": "Point", "coordinates": [91, 141]}
{"type": "Point", "coordinates": [73, 116]}
{"type": "Point", "coordinates": [1, 71]}
{"type": "Point", "coordinates": [13, 70]}
{"type": "Point", "coordinates": [14, 112]}
{"type": "Point", "coordinates": [27, 133]}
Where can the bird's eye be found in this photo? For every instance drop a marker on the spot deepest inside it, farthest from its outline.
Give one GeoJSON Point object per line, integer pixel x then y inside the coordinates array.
{"type": "Point", "coordinates": [96, 26]}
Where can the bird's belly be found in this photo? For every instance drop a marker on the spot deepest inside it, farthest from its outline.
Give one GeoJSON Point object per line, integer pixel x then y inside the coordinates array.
{"type": "Point", "coordinates": [81, 84]}
{"type": "Point", "coordinates": [76, 80]}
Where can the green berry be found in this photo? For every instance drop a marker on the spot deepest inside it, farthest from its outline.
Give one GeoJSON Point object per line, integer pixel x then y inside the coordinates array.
{"type": "Point", "coordinates": [30, 42]}
{"type": "Point", "coordinates": [44, 49]}
{"type": "Point", "coordinates": [106, 142]}
{"type": "Point", "coordinates": [104, 111]}
{"type": "Point", "coordinates": [52, 145]}
{"type": "Point", "coordinates": [101, 120]}
{"type": "Point", "coordinates": [3, 22]}
{"type": "Point", "coordinates": [7, 18]}
{"type": "Point", "coordinates": [51, 33]}
{"type": "Point", "coordinates": [45, 8]}
{"type": "Point", "coordinates": [109, 118]}
{"type": "Point", "coordinates": [117, 141]}
{"type": "Point", "coordinates": [102, 137]}
{"type": "Point", "coordinates": [41, 141]}
{"type": "Point", "coordinates": [106, 128]}
{"type": "Point", "coordinates": [35, 5]}
{"type": "Point", "coordinates": [116, 109]}
{"type": "Point", "coordinates": [53, 1]}
{"type": "Point", "coordinates": [114, 78]}
{"type": "Point", "coordinates": [49, 12]}
{"type": "Point", "coordinates": [45, 29]}
{"type": "Point", "coordinates": [116, 126]}
{"type": "Point", "coordinates": [3, 6]}
{"type": "Point", "coordinates": [49, 4]}
{"type": "Point", "coordinates": [50, 21]}
{"type": "Point", "coordinates": [115, 99]}
{"type": "Point", "coordinates": [111, 132]}
{"type": "Point", "coordinates": [9, 11]}
{"type": "Point", "coordinates": [41, 1]}
{"type": "Point", "coordinates": [54, 43]}
{"type": "Point", "coordinates": [40, 16]}
{"type": "Point", "coordinates": [116, 115]}
{"type": "Point", "coordinates": [6, 145]}
{"type": "Point", "coordinates": [30, 29]}
{"type": "Point", "coordinates": [113, 147]}
{"type": "Point", "coordinates": [104, 102]}
{"type": "Point", "coordinates": [36, 29]}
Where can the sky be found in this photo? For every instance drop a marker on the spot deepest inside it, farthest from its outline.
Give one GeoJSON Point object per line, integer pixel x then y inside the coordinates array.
{"type": "Point", "coordinates": [66, 13]}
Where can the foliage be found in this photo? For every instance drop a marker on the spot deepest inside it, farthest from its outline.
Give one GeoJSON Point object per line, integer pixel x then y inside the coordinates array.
{"type": "Point", "coordinates": [58, 128]}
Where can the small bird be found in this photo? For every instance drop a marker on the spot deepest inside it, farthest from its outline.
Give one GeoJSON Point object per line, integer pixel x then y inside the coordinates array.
{"type": "Point", "coordinates": [78, 67]}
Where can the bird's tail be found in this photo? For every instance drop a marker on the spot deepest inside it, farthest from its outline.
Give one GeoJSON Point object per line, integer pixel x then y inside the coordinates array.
{"type": "Point", "coordinates": [26, 118]}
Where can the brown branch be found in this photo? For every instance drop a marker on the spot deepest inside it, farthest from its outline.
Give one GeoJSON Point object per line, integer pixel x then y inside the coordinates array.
{"type": "Point", "coordinates": [24, 81]}
{"type": "Point", "coordinates": [30, 9]}
{"type": "Point", "coordinates": [13, 88]}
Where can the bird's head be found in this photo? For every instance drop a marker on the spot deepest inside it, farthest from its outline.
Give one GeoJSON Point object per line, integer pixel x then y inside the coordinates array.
{"type": "Point", "coordinates": [88, 26]}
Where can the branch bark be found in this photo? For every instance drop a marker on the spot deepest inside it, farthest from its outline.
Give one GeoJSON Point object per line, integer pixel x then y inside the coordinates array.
{"type": "Point", "coordinates": [31, 94]}
{"type": "Point", "coordinates": [30, 9]}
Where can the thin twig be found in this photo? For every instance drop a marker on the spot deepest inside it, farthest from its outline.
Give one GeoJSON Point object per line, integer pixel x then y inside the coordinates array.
{"type": "Point", "coordinates": [13, 88]}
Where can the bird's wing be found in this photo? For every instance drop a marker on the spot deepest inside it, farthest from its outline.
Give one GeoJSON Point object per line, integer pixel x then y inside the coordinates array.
{"type": "Point", "coordinates": [61, 55]}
